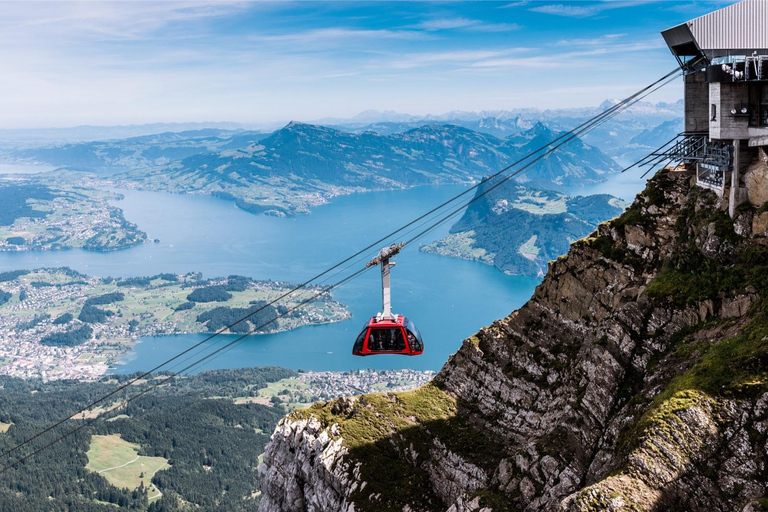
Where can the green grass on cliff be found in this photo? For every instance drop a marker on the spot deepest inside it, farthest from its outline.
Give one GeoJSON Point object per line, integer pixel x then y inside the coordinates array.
{"type": "Point", "coordinates": [691, 276]}
{"type": "Point", "coordinates": [733, 366]}
{"type": "Point", "coordinates": [390, 434]}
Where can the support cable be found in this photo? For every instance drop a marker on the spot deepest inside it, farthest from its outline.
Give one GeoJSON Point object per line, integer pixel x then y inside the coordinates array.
{"type": "Point", "coordinates": [564, 138]}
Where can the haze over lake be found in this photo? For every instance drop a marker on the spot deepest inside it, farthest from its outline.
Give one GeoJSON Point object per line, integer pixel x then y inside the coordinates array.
{"type": "Point", "coordinates": [449, 299]}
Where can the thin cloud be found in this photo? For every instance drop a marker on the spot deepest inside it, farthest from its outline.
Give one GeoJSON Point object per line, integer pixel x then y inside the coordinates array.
{"type": "Point", "coordinates": [467, 24]}
{"type": "Point", "coordinates": [585, 11]}
{"type": "Point", "coordinates": [457, 58]}
{"type": "Point", "coordinates": [598, 41]}
{"type": "Point", "coordinates": [107, 21]}
{"type": "Point", "coordinates": [497, 27]}
{"type": "Point", "coordinates": [521, 3]}
{"type": "Point", "coordinates": [329, 34]}
{"type": "Point", "coordinates": [572, 11]}
{"type": "Point", "coordinates": [697, 5]}
{"type": "Point", "coordinates": [446, 24]}
{"type": "Point", "coordinates": [566, 60]}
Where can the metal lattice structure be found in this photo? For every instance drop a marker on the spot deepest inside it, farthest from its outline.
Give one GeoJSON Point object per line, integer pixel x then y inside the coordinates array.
{"type": "Point", "coordinates": [712, 158]}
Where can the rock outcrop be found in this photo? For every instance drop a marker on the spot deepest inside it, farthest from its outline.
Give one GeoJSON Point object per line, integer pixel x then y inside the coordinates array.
{"type": "Point", "coordinates": [636, 378]}
{"type": "Point", "coordinates": [756, 179]}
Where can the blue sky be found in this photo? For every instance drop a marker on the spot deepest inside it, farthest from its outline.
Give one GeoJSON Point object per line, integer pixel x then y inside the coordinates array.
{"type": "Point", "coordinates": [106, 63]}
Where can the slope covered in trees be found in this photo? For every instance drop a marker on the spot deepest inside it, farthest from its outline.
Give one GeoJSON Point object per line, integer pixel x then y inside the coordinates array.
{"type": "Point", "coordinates": [519, 230]}
{"type": "Point", "coordinates": [213, 445]}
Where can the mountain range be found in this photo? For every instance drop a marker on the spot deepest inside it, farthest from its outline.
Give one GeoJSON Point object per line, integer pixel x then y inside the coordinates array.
{"type": "Point", "coordinates": [303, 165]}
{"type": "Point", "coordinates": [299, 166]}
{"type": "Point", "coordinates": [609, 137]}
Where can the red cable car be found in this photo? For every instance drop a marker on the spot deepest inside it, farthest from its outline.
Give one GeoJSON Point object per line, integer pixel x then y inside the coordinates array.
{"type": "Point", "coordinates": [388, 333]}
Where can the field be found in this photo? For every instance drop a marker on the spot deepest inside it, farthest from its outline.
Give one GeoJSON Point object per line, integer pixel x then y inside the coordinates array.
{"type": "Point", "coordinates": [460, 245]}
{"type": "Point", "coordinates": [529, 249]}
{"type": "Point", "coordinates": [118, 461]}
{"type": "Point", "coordinates": [4, 427]}
{"type": "Point", "coordinates": [293, 393]}
{"type": "Point", "coordinates": [541, 203]}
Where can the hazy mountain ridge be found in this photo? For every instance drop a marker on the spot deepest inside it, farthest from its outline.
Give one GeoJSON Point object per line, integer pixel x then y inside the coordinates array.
{"type": "Point", "coordinates": [663, 132]}
{"type": "Point", "coordinates": [25, 138]}
{"type": "Point", "coordinates": [136, 152]}
{"type": "Point", "coordinates": [303, 165]}
{"type": "Point", "coordinates": [609, 137]}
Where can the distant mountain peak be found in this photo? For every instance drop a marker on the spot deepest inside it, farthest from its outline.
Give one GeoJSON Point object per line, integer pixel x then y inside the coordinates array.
{"type": "Point", "coordinates": [609, 103]}
{"type": "Point", "coordinates": [538, 129]}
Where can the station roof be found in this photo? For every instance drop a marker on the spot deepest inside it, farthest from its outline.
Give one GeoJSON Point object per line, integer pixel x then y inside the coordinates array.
{"type": "Point", "coordinates": [737, 29]}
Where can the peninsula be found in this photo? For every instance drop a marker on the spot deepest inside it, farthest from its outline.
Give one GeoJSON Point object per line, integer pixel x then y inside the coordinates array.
{"type": "Point", "coordinates": [64, 215]}
{"type": "Point", "coordinates": [89, 323]}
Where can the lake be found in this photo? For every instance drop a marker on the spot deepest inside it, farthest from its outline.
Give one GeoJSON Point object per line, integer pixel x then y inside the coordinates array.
{"type": "Point", "coordinates": [447, 298]}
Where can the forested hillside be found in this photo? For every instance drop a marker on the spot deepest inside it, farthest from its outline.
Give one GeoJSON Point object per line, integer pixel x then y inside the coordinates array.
{"type": "Point", "coordinates": [490, 229]}
{"type": "Point", "coordinates": [212, 444]}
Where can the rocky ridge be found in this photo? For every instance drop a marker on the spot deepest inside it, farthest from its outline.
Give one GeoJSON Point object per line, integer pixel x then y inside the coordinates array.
{"type": "Point", "coordinates": [636, 378]}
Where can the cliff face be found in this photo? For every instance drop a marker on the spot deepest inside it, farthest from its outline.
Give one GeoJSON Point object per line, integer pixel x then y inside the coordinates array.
{"type": "Point", "coordinates": [636, 378]}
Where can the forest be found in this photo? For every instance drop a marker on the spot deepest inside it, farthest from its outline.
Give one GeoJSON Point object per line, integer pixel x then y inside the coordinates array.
{"type": "Point", "coordinates": [70, 338]}
{"type": "Point", "coordinates": [211, 443]}
{"type": "Point", "coordinates": [13, 202]}
{"type": "Point", "coordinates": [217, 318]}
{"type": "Point", "coordinates": [10, 275]}
{"type": "Point", "coordinates": [215, 293]}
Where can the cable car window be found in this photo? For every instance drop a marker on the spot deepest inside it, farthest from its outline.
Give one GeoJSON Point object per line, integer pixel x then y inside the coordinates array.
{"type": "Point", "coordinates": [414, 342]}
{"type": "Point", "coordinates": [386, 340]}
{"type": "Point", "coordinates": [412, 327]}
{"type": "Point", "coordinates": [414, 336]}
{"type": "Point", "coordinates": [360, 339]}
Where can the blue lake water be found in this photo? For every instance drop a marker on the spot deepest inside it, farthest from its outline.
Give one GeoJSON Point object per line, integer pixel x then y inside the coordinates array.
{"type": "Point", "coordinates": [449, 299]}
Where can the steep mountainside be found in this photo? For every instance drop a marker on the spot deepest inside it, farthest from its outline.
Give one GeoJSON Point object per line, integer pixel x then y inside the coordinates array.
{"type": "Point", "coordinates": [634, 379]}
{"type": "Point", "coordinates": [302, 165]}
{"type": "Point", "coordinates": [490, 229]}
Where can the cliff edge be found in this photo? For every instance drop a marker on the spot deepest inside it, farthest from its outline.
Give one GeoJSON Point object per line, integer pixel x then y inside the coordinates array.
{"type": "Point", "coordinates": [636, 378]}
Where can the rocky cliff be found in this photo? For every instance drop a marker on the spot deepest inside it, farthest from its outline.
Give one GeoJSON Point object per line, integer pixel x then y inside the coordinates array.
{"type": "Point", "coordinates": [634, 379]}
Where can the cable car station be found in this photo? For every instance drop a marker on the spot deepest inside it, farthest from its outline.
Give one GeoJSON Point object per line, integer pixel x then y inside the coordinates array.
{"type": "Point", "coordinates": [724, 56]}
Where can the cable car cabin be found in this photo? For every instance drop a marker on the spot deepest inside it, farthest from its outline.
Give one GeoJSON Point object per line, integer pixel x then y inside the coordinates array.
{"type": "Point", "coordinates": [389, 336]}
{"type": "Point", "coordinates": [388, 333]}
